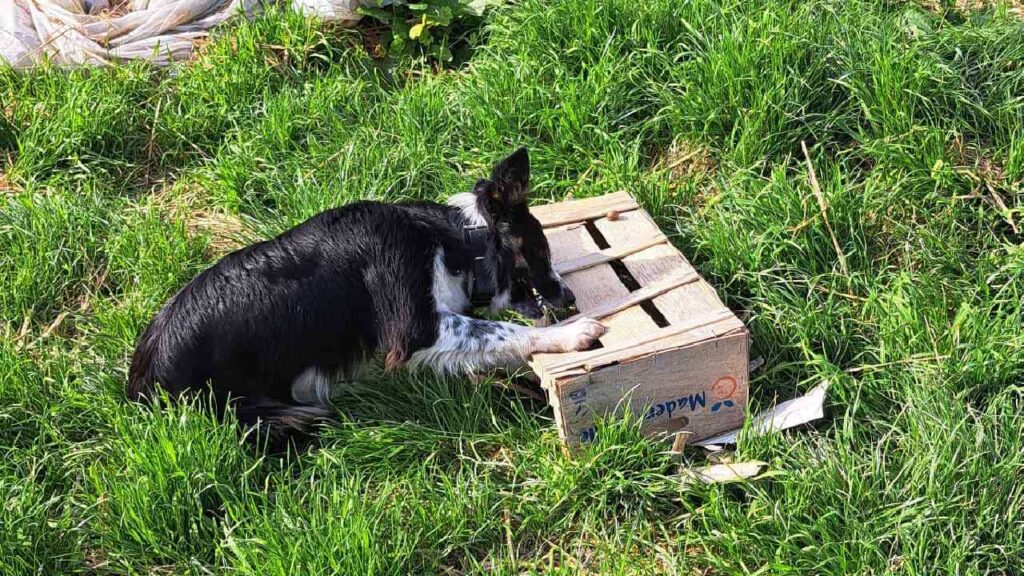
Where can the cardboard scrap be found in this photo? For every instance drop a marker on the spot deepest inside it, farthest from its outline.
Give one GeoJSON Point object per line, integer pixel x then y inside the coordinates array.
{"type": "Point", "coordinates": [802, 410]}
{"type": "Point", "coordinates": [791, 413]}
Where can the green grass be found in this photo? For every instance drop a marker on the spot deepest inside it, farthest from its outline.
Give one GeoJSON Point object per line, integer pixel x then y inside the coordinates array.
{"type": "Point", "coordinates": [915, 124]}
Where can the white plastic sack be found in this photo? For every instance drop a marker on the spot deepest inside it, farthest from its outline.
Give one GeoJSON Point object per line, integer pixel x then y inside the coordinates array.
{"type": "Point", "coordinates": [73, 32]}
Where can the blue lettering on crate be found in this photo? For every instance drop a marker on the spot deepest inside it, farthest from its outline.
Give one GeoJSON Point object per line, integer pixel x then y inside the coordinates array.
{"type": "Point", "coordinates": [721, 395]}
{"type": "Point", "coordinates": [678, 405]}
{"type": "Point", "coordinates": [684, 403]}
{"type": "Point", "coordinates": [577, 396]}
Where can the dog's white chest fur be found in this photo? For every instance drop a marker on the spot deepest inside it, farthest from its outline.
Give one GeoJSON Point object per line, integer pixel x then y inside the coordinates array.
{"type": "Point", "coordinates": [449, 290]}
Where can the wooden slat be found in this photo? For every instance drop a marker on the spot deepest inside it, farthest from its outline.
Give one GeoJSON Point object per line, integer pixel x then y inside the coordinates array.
{"type": "Point", "coordinates": [701, 328]}
{"type": "Point", "coordinates": [598, 285]}
{"type": "Point", "coordinates": [592, 287]}
{"type": "Point", "coordinates": [721, 322]}
{"type": "Point", "coordinates": [644, 293]}
{"type": "Point", "coordinates": [608, 254]}
{"type": "Point", "coordinates": [573, 211]}
{"type": "Point", "coordinates": [658, 262]}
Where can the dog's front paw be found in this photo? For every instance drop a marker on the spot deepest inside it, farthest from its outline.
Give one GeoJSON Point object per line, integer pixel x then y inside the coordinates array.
{"type": "Point", "coordinates": [579, 335]}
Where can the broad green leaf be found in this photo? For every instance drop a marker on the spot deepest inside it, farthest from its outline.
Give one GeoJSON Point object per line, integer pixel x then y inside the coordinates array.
{"type": "Point", "coordinates": [417, 30]}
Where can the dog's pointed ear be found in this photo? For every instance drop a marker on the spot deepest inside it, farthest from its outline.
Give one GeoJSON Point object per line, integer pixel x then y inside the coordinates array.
{"type": "Point", "coordinates": [511, 179]}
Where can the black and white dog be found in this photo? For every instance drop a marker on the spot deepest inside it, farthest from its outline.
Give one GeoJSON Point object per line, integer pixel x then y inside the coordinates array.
{"type": "Point", "coordinates": [276, 326]}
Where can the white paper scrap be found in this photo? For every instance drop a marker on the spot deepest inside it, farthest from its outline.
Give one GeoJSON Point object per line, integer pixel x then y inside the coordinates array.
{"type": "Point", "coordinates": [791, 413]}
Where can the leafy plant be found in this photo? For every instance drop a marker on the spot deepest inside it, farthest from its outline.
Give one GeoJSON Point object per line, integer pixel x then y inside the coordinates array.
{"type": "Point", "coordinates": [427, 28]}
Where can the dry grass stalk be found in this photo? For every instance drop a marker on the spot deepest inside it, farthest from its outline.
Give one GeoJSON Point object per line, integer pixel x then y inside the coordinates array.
{"type": "Point", "coordinates": [685, 159]}
{"type": "Point", "coordinates": [7, 186]}
{"type": "Point", "coordinates": [1013, 6]}
{"type": "Point", "coordinates": [988, 176]}
{"type": "Point", "coordinates": [823, 207]}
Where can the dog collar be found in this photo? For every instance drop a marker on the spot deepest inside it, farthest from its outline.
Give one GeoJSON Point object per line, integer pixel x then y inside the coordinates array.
{"type": "Point", "coordinates": [481, 276]}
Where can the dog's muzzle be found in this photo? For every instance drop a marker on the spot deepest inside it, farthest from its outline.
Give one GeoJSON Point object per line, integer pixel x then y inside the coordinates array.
{"type": "Point", "coordinates": [548, 306]}
{"type": "Point", "coordinates": [565, 298]}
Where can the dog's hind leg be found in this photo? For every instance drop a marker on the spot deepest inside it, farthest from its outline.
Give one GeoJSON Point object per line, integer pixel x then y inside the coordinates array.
{"type": "Point", "coordinates": [467, 344]}
{"type": "Point", "coordinates": [318, 386]}
{"type": "Point", "coordinates": [314, 386]}
{"type": "Point", "coordinates": [277, 423]}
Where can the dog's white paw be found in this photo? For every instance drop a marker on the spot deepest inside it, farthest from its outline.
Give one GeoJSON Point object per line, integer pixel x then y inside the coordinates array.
{"type": "Point", "coordinates": [578, 335]}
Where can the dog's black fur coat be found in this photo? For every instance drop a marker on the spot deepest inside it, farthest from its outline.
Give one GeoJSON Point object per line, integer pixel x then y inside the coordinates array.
{"type": "Point", "coordinates": [344, 284]}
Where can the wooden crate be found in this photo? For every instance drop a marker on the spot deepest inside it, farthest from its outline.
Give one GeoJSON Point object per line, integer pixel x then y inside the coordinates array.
{"type": "Point", "coordinates": [673, 352]}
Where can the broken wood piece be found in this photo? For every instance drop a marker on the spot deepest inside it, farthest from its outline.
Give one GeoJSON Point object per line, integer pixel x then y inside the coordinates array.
{"type": "Point", "coordinates": [755, 364]}
{"type": "Point", "coordinates": [678, 444]}
{"type": "Point", "coordinates": [788, 414]}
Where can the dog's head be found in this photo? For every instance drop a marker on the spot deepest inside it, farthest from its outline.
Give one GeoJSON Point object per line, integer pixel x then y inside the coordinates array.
{"type": "Point", "coordinates": [524, 258]}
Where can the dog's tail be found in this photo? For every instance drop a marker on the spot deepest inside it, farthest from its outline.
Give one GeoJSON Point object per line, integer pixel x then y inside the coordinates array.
{"type": "Point", "coordinates": [276, 422]}
{"type": "Point", "coordinates": [142, 375]}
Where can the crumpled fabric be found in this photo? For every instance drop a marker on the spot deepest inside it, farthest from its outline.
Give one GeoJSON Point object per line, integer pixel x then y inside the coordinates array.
{"type": "Point", "coordinates": [100, 32]}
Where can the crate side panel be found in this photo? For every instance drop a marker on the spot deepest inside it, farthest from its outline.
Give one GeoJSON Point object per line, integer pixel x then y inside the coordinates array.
{"type": "Point", "coordinates": [700, 388]}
